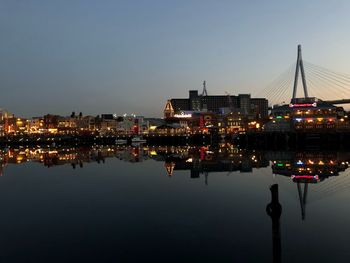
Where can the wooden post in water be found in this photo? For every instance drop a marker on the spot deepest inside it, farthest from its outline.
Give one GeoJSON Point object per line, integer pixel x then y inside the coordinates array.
{"type": "Point", "coordinates": [274, 210]}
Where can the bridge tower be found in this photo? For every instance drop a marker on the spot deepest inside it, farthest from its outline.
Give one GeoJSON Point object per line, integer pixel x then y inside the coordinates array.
{"type": "Point", "coordinates": [299, 66]}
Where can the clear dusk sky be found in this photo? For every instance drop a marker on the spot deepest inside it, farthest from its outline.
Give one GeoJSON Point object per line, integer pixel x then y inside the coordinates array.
{"type": "Point", "coordinates": [131, 56]}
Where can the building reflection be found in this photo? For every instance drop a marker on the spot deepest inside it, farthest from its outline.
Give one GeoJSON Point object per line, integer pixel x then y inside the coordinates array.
{"type": "Point", "coordinates": [75, 156]}
{"type": "Point", "coordinates": [201, 161]}
{"type": "Point", "coordinates": [198, 160]}
{"type": "Point", "coordinates": [303, 168]}
{"type": "Point", "coordinates": [306, 168]}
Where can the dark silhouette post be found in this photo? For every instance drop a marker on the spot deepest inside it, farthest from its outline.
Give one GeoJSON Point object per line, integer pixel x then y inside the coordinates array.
{"type": "Point", "coordinates": [206, 177]}
{"type": "Point", "coordinates": [274, 210]}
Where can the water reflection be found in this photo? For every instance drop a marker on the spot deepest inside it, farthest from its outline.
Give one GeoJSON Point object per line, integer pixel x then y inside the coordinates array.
{"type": "Point", "coordinates": [315, 175]}
{"type": "Point", "coordinates": [303, 168]}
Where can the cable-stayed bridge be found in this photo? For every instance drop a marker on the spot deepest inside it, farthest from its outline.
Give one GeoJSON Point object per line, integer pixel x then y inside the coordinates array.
{"type": "Point", "coordinates": [317, 81]}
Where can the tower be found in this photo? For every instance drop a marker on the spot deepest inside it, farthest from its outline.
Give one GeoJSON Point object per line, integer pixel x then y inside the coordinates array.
{"type": "Point", "coordinates": [204, 92]}
{"type": "Point", "coordinates": [203, 97]}
{"type": "Point", "coordinates": [300, 66]}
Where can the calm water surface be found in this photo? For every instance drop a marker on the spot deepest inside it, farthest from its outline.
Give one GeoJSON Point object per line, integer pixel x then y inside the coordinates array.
{"type": "Point", "coordinates": [141, 204]}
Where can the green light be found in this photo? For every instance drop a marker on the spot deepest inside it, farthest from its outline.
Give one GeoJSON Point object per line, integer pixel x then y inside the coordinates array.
{"type": "Point", "coordinates": [280, 164]}
{"type": "Point", "coordinates": [279, 117]}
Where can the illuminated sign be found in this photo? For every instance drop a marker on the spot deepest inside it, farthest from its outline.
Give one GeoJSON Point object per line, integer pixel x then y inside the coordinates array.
{"type": "Point", "coordinates": [305, 177]}
{"type": "Point", "coordinates": [291, 105]}
{"type": "Point", "coordinates": [183, 115]}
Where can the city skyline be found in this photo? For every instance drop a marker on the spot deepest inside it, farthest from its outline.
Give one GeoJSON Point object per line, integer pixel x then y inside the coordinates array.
{"type": "Point", "coordinates": [131, 57]}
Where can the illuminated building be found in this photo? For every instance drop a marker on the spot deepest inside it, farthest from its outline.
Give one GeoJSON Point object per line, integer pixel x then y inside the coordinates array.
{"type": "Point", "coordinates": [22, 126]}
{"type": "Point", "coordinates": [51, 123]}
{"type": "Point", "coordinates": [316, 114]}
{"type": "Point", "coordinates": [247, 106]}
{"type": "Point", "coordinates": [4, 115]}
{"type": "Point", "coordinates": [67, 124]}
{"type": "Point", "coordinates": [131, 124]}
{"type": "Point", "coordinates": [305, 114]}
{"type": "Point", "coordinates": [190, 122]}
{"type": "Point", "coordinates": [169, 110]}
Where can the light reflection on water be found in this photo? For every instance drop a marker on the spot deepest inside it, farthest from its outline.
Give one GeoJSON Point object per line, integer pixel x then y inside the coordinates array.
{"type": "Point", "coordinates": [177, 204]}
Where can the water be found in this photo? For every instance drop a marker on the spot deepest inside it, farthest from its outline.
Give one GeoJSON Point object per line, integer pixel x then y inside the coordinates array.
{"type": "Point", "coordinates": [148, 204]}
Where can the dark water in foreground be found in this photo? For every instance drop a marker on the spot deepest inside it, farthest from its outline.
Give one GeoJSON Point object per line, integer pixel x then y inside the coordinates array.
{"type": "Point", "coordinates": [125, 204]}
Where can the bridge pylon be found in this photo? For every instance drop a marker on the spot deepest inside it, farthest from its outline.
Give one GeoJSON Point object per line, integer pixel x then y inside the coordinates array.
{"type": "Point", "coordinates": [299, 66]}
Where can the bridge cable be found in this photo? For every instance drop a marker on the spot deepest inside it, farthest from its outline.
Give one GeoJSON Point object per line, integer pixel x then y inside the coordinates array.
{"type": "Point", "coordinates": [275, 94]}
{"type": "Point", "coordinates": [274, 85]}
{"type": "Point", "coordinates": [316, 84]}
{"type": "Point", "coordinates": [338, 75]}
{"type": "Point", "coordinates": [275, 82]}
{"type": "Point", "coordinates": [340, 88]}
{"type": "Point", "coordinates": [283, 94]}
{"type": "Point", "coordinates": [332, 79]}
{"type": "Point", "coordinates": [277, 89]}
{"type": "Point", "coordinates": [314, 91]}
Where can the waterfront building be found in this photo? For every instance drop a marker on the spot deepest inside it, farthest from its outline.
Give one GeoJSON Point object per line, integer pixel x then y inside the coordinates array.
{"type": "Point", "coordinates": [152, 124]}
{"type": "Point", "coordinates": [107, 125]}
{"type": "Point", "coordinates": [51, 123]}
{"type": "Point", "coordinates": [231, 123]}
{"type": "Point", "coordinates": [307, 114]}
{"type": "Point", "coordinates": [36, 125]}
{"type": "Point", "coordinates": [67, 125]}
{"type": "Point", "coordinates": [317, 115]}
{"type": "Point", "coordinates": [170, 129]}
{"type": "Point", "coordinates": [261, 108]}
{"type": "Point", "coordinates": [169, 109]}
{"type": "Point", "coordinates": [22, 126]}
{"type": "Point", "coordinates": [191, 122]}
{"type": "Point", "coordinates": [10, 125]}
{"type": "Point", "coordinates": [87, 124]}
{"type": "Point", "coordinates": [131, 124]}
{"type": "Point", "coordinates": [77, 124]}
{"type": "Point", "coordinates": [243, 103]}
{"type": "Point", "coordinates": [4, 115]}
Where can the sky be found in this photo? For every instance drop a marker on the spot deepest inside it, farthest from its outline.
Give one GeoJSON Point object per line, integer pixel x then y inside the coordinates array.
{"type": "Point", "coordinates": [131, 56]}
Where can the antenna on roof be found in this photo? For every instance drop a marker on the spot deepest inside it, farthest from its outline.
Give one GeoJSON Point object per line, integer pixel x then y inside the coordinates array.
{"type": "Point", "coordinates": [204, 92]}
